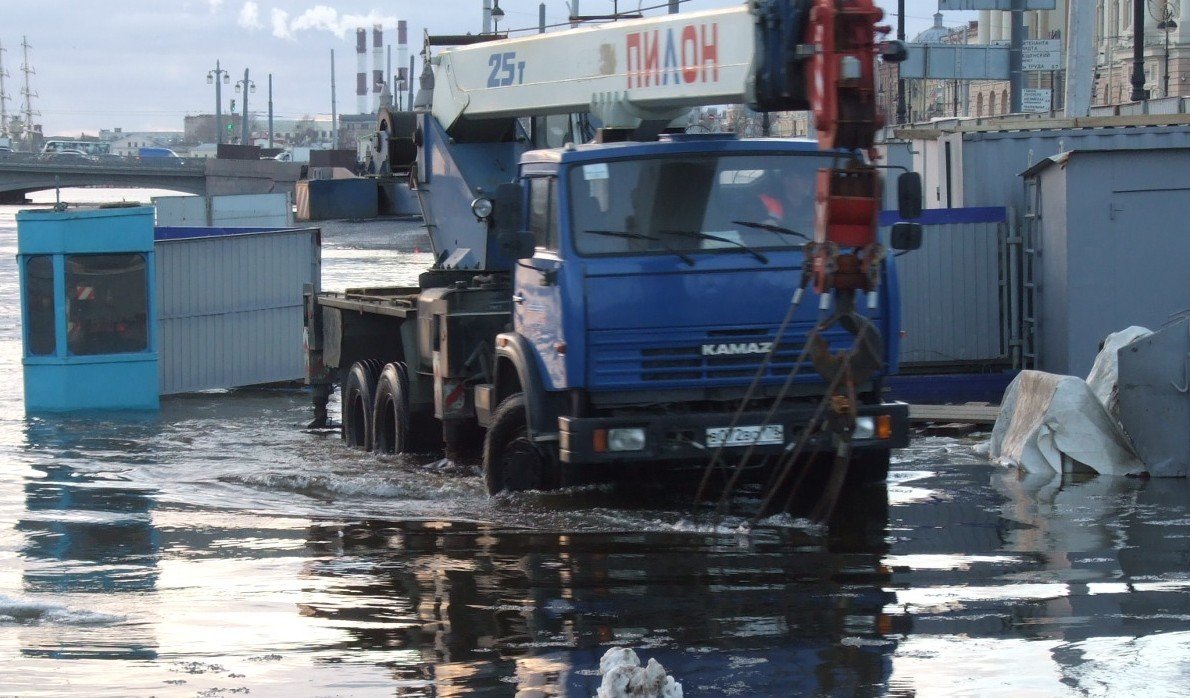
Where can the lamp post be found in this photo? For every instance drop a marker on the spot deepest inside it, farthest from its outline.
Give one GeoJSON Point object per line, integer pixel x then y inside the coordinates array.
{"type": "Point", "coordinates": [1163, 11]}
{"type": "Point", "coordinates": [219, 77]}
{"type": "Point", "coordinates": [246, 86]}
{"type": "Point", "coordinates": [1139, 93]}
{"type": "Point", "coordinates": [497, 15]}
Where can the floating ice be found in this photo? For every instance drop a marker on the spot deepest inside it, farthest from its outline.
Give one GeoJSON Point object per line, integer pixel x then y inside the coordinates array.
{"type": "Point", "coordinates": [25, 611]}
{"type": "Point", "coordinates": [624, 677]}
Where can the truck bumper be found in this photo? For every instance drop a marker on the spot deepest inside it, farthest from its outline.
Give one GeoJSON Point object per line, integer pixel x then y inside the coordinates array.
{"type": "Point", "coordinates": [692, 437]}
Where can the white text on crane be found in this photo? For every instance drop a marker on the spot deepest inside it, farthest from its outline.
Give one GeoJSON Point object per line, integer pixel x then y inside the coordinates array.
{"type": "Point", "coordinates": [657, 57]}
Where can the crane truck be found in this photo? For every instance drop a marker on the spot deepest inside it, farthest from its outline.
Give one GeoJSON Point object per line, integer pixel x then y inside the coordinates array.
{"type": "Point", "coordinates": [609, 291]}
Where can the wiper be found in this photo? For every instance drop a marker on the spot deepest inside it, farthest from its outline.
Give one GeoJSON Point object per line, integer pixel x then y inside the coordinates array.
{"type": "Point", "coordinates": [641, 236]}
{"type": "Point", "coordinates": [707, 236]}
{"type": "Point", "coordinates": [780, 230]}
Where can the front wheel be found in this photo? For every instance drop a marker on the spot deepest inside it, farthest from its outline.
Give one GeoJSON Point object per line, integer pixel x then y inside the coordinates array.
{"type": "Point", "coordinates": [511, 461]}
{"type": "Point", "coordinates": [868, 466]}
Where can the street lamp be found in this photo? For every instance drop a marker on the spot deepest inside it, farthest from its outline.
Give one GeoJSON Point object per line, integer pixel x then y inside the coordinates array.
{"type": "Point", "coordinates": [1163, 11]}
{"type": "Point", "coordinates": [497, 15]}
{"type": "Point", "coordinates": [218, 77]}
{"type": "Point", "coordinates": [245, 86]}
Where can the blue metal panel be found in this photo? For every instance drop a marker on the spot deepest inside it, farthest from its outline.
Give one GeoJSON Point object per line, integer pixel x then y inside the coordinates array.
{"type": "Point", "coordinates": [84, 231]}
{"type": "Point", "coordinates": [343, 198]}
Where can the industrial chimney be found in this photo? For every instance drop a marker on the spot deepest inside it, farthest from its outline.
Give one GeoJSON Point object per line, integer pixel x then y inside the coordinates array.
{"type": "Point", "coordinates": [402, 61]}
{"type": "Point", "coordinates": [378, 78]}
{"type": "Point", "coordinates": [361, 68]}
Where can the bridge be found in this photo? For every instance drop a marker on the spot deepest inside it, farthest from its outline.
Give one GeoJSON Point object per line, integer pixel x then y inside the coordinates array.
{"type": "Point", "coordinates": [21, 174]}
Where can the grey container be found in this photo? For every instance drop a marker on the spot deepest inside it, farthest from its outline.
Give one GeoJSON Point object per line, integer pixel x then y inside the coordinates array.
{"type": "Point", "coordinates": [230, 306]}
{"type": "Point", "coordinates": [1154, 389]}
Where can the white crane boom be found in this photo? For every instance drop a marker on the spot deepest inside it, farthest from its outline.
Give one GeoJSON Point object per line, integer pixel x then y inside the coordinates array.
{"type": "Point", "coordinates": [650, 69]}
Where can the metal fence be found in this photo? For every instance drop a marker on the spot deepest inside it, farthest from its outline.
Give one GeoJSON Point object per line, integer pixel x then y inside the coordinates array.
{"type": "Point", "coordinates": [230, 305]}
{"type": "Point", "coordinates": [956, 291]}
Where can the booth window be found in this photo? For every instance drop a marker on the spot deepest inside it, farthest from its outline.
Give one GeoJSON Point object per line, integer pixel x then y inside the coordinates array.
{"type": "Point", "coordinates": [39, 305]}
{"type": "Point", "coordinates": [107, 303]}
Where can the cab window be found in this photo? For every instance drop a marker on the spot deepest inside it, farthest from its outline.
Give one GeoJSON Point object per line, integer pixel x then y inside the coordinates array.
{"type": "Point", "coordinates": [543, 211]}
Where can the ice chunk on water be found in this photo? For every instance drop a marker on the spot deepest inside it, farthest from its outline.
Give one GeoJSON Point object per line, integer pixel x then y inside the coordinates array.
{"type": "Point", "coordinates": [623, 676]}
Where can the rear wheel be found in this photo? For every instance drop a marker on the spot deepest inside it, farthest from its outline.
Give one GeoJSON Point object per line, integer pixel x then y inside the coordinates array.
{"type": "Point", "coordinates": [357, 404]}
{"type": "Point", "coordinates": [511, 461]}
{"type": "Point", "coordinates": [397, 428]}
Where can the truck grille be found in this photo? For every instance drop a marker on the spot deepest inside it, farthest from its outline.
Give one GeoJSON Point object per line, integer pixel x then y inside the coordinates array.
{"type": "Point", "coordinates": [676, 357]}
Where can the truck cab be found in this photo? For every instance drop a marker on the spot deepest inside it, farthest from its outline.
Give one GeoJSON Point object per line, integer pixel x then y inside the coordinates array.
{"type": "Point", "coordinates": [652, 300]}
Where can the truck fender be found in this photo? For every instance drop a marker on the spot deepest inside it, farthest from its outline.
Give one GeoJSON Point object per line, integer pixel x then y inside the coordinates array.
{"type": "Point", "coordinates": [514, 350]}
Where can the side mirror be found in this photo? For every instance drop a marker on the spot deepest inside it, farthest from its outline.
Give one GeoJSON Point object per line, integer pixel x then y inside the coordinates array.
{"type": "Point", "coordinates": [909, 195]}
{"type": "Point", "coordinates": [905, 236]}
{"type": "Point", "coordinates": [518, 245]}
{"type": "Point", "coordinates": [508, 207]}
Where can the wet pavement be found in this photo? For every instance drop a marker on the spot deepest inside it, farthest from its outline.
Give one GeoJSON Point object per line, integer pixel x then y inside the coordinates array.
{"type": "Point", "coordinates": [215, 548]}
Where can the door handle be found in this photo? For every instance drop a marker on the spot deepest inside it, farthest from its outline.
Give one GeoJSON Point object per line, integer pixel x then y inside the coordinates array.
{"type": "Point", "coordinates": [518, 298]}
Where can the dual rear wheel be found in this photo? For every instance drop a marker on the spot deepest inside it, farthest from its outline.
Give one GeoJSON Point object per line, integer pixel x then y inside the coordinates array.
{"type": "Point", "coordinates": [378, 415]}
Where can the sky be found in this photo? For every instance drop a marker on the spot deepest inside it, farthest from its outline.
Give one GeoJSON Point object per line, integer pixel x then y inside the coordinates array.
{"type": "Point", "coordinates": [143, 64]}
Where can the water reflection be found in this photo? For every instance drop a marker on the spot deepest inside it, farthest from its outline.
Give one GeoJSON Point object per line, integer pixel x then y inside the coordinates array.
{"type": "Point", "coordinates": [89, 535]}
{"type": "Point", "coordinates": [460, 608]}
{"type": "Point", "coordinates": [1072, 580]}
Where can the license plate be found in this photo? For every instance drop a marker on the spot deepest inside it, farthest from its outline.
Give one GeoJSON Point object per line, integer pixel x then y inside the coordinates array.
{"type": "Point", "coordinates": [745, 435]}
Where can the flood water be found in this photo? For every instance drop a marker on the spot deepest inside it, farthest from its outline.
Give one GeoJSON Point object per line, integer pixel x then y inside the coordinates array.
{"type": "Point", "coordinates": [216, 548]}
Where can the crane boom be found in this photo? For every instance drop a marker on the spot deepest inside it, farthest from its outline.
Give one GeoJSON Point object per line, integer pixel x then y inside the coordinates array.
{"type": "Point", "coordinates": [624, 73]}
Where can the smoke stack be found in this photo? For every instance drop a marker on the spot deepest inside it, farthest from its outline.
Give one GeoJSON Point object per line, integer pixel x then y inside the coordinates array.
{"type": "Point", "coordinates": [361, 70]}
{"type": "Point", "coordinates": [378, 78]}
{"type": "Point", "coordinates": [402, 59]}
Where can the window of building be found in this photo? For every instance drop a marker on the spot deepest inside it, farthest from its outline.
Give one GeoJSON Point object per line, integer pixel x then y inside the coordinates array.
{"type": "Point", "coordinates": [107, 304]}
{"type": "Point", "coordinates": [39, 305]}
{"type": "Point", "coordinates": [543, 211]}
{"type": "Point", "coordinates": [979, 104]}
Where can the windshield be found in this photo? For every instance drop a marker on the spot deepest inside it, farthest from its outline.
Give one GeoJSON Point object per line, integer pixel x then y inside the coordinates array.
{"type": "Point", "coordinates": [693, 203]}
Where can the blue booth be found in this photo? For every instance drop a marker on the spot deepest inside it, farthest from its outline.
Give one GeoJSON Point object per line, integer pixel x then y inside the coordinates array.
{"type": "Point", "coordinates": [87, 280]}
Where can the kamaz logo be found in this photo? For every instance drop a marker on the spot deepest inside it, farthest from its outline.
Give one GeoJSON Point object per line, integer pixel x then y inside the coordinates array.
{"type": "Point", "coordinates": [737, 348]}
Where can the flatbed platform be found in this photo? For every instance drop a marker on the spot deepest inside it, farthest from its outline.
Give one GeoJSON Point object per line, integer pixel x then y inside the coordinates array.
{"type": "Point", "coordinates": [969, 413]}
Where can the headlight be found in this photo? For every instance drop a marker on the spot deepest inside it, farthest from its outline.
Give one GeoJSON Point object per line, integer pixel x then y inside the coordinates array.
{"type": "Point", "coordinates": [482, 208]}
{"type": "Point", "coordinates": [865, 428]}
{"type": "Point", "coordinates": [626, 439]}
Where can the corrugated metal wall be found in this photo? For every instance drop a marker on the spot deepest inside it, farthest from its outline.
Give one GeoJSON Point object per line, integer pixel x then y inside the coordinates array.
{"type": "Point", "coordinates": [994, 160]}
{"type": "Point", "coordinates": [229, 211]}
{"type": "Point", "coordinates": [230, 308]}
{"type": "Point", "coordinates": [951, 296]}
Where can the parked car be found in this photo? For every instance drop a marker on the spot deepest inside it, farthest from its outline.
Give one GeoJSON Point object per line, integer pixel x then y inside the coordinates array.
{"type": "Point", "coordinates": [67, 156]}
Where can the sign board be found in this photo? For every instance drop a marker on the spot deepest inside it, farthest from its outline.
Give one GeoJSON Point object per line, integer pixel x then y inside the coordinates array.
{"type": "Point", "coordinates": [1041, 54]}
{"type": "Point", "coordinates": [1006, 5]}
{"type": "Point", "coordinates": [946, 62]}
{"type": "Point", "coordinates": [1036, 99]}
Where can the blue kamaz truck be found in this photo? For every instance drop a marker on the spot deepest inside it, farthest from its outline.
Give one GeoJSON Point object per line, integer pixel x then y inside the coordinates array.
{"type": "Point", "coordinates": [609, 291]}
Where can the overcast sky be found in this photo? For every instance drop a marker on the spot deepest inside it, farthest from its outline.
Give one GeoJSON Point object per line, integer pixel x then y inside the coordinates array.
{"type": "Point", "coordinates": [142, 65]}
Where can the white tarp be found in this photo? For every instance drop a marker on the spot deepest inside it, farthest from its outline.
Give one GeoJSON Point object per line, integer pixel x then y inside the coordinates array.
{"type": "Point", "coordinates": [1105, 374]}
{"type": "Point", "coordinates": [1047, 420]}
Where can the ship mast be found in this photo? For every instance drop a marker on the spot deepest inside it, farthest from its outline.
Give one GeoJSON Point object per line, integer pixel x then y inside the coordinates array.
{"type": "Point", "coordinates": [27, 93]}
{"type": "Point", "coordinates": [3, 96]}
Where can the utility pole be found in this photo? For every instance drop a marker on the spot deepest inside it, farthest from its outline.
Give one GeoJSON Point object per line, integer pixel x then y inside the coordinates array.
{"type": "Point", "coordinates": [900, 80]}
{"type": "Point", "coordinates": [270, 110]}
{"type": "Point", "coordinates": [248, 86]}
{"type": "Point", "coordinates": [1015, 73]}
{"type": "Point", "coordinates": [28, 94]}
